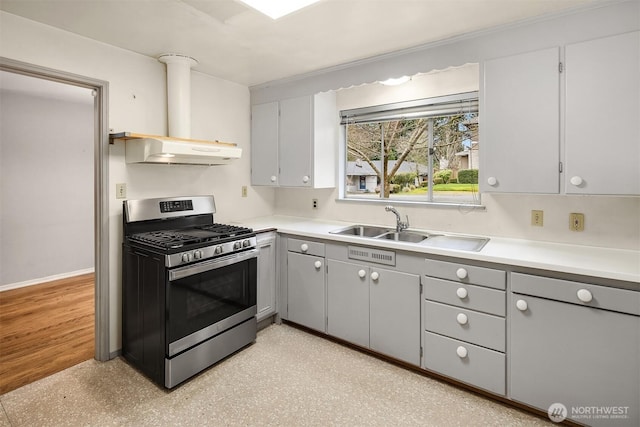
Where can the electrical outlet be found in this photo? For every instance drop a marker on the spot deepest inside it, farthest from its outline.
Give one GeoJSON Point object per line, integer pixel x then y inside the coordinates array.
{"type": "Point", "coordinates": [314, 203]}
{"type": "Point", "coordinates": [244, 191]}
{"type": "Point", "coordinates": [121, 191]}
{"type": "Point", "coordinates": [576, 222]}
{"type": "Point", "coordinates": [537, 218]}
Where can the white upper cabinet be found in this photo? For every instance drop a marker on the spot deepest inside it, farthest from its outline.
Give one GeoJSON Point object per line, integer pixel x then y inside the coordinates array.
{"type": "Point", "coordinates": [294, 142]}
{"type": "Point", "coordinates": [602, 135]}
{"type": "Point", "coordinates": [520, 123]}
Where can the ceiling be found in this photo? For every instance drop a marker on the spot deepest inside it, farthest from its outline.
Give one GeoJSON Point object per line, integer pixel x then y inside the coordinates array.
{"type": "Point", "coordinates": [237, 43]}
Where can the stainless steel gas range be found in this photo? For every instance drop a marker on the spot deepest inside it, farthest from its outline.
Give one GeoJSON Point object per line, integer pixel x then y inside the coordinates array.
{"type": "Point", "coordinates": [188, 287]}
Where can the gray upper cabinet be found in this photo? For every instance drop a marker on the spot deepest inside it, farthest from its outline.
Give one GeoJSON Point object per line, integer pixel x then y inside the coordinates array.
{"type": "Point", "coordinates": [294, 142]}
{"type": "Point", "coordinates": [520, 128]}
{"type": "Point", "coordinates": [264, 144]}
{"type": "Point", "coordinates": [603, 116]}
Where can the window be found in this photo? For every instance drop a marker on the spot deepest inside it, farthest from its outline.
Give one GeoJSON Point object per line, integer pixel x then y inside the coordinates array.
{"type": "Point", "coordinates": [424, 150]}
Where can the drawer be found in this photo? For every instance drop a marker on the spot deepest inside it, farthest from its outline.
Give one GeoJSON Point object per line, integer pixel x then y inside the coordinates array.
{"type": "Point", "coordinates": [305, 247]}
{"type": "Point", "coordinates": [468, 363]}
{"type": "Point", "coordinates": [478, 328]}
{"type": "Point", "coordinates": [473, 297]}
{"type": "Point", "coordinates": [465, 274]}
{"type": "Point", "coordinates": [614, 299]}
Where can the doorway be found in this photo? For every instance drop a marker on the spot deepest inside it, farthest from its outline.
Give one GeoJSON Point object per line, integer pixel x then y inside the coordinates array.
{"type": "Point", "coordinates": [99, 89]}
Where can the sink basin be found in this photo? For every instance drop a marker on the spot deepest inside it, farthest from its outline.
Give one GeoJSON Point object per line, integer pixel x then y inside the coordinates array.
{"type": "Point", "coordinates": [404, 236]}
{"type": "Point", "coordinates": [361, 230]}
{"type": "Point", "coordinates": [460, 243]}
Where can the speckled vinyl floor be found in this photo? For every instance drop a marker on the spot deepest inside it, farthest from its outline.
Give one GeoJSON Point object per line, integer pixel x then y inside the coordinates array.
{"type": "Point", "coordinates": [286, 378]}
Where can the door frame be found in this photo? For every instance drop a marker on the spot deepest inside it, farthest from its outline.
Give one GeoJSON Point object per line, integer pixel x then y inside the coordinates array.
{"type": "Point", "coordinates": [101, 184]}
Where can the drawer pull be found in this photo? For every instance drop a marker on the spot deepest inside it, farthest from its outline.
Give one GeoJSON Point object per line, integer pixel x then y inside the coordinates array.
{"type": "Point", "coordinates": [304, 247]}
{"type": "Point", "coordinates": [375, 276]}
{"type": "Point", "coordinates": [462, 352]}
{"type": "Point", "coordinates": [462, 293]}
{"type": "Point", "coordinates": [584, 295]}
{"type": "Point", "coordinates": [522, 305]}
{"type": "Point", "coordinates": [461, 273]}
{"type": "Point", "coordinates": [462, 318]}
{"type": "Point", "coordinates": [317, 265]}
{"type": "Point", "coordinates": [362, 273]}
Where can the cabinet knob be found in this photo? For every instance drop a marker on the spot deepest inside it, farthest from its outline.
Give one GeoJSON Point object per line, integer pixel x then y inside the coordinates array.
{"type": "Point", "coordinates": [362, 273]}
{"type": "Point", "coordinates": [462, 293]}
{"type": "Point", "coordinates": [375, 275]}
{"type": "Point", "coordinates": [584, 295]}
{"type": "Point", "coordinates": [305, 179]}
{"type": "Point", "coordinates": [462, 318]}
{"type": "Point", "coordinates": [317, 265]}
{"type": "Point", "coordinates": [461, 273]}
{"type": "Point", "coordinates": [576, 180]}
{"type": "Point", "coordinates": [522, 305]}
{"type": "Point", "coordinates": [273, 178]}
{"type": "Point", "coordinates": [304, 247]}
{"type": "Point", "coordinates": [492, 181]}
{"type": "Point", "coordinates": [462, 352]}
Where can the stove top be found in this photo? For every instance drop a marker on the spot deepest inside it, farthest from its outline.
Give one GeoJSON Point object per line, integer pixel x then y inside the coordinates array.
{"type": "Point", "coordinates": [181, 238]}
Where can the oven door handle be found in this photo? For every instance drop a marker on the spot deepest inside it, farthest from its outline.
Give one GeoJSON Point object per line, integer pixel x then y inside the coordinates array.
{"type": "Point", "coordinates": [201, 267]}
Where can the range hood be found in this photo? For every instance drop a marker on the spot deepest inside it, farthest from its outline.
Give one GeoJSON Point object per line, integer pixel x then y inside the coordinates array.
{"type": "Point", "coordinates": [142, 148]}
{"type": "Point", "coordinates": [178, 148]}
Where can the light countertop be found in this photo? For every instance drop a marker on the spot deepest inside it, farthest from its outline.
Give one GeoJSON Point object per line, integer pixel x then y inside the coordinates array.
{"type": "Point", "coordinates": [607, 263]}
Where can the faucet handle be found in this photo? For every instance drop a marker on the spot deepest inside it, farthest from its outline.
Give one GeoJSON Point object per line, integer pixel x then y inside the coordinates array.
{"type": "Point", "coordinates": [388, 208]}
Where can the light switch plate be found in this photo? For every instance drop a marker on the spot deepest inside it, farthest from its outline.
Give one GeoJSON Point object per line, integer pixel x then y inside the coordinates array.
{"type": "Point", "coordinates": [121, 191]}
{"type": "Point", "coordinates": [537, 218]}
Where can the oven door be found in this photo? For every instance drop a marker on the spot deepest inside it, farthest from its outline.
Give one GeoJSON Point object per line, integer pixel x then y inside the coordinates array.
{"type": "Point", "coordinates": [209, 297]}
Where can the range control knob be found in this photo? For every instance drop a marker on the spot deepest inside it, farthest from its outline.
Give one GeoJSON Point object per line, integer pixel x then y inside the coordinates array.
{"type": "Point", "coordinates": [237, 245]}
{"type": "Point", "coordinates": [186, 257]}
{"type": "Point", "coordinates": [218, 250]}
{"type": "Point", "coordinates": [197, 254]}
{"type": "Point", "coordinates": [246, 243]}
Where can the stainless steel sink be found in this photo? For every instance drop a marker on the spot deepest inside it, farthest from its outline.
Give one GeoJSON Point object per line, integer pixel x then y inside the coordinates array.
{"type": "Point", "coordinates": [404, 236]}
{"type": "Point", "coordinates": [460, 243]}
{"type": "Point", "coordinates": [361, 231]}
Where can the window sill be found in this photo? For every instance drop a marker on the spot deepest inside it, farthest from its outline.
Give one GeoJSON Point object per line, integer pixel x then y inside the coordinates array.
{"type": "Point", "coordinates": [410, 203]}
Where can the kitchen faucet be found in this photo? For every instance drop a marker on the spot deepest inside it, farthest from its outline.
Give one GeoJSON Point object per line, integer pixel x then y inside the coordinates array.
{"type": "Point", "coordinates": [399, 224]}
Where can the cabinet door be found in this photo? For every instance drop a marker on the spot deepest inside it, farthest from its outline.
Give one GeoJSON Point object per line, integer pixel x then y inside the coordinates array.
{"type": "Point", "coordinates": [520, 114]}
{"type": "Point", "coordinates": [305, 290]}
{"type": "Point", "coordinates": [602, 116]}
{"type": "Point", "coordinates": [395, 314]}
{"type": "Point", "coordinates": [296, 129]}
{"type": "Point", "coordinates": [264, 144]}
{"type": "Point", "coordinates": [348, 302]}
{"type": "Point", "coordinates": [266, 296]}
{"type": "Point", "coordinates": [581, 357]}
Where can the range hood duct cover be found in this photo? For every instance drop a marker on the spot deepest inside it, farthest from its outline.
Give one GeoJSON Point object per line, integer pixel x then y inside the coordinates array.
{"type": "Point", "coordinates": [178, 148]}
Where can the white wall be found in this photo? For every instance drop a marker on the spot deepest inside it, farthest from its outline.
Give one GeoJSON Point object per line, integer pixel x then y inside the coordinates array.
{"type": "Point", "coordinates": [137, 103]}
{"type": "Point", "coordinates": [46, 186]}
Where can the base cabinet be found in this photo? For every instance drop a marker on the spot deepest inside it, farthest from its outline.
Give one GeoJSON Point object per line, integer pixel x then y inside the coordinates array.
{"type": "Point", "coordinates": [306, 284]}
{"type": "Point", "coordinates": [574, 354]}
{"type": "Point", "coordinates": [376, 308]}
{"type": "Point", "coordinates": [266, 294]}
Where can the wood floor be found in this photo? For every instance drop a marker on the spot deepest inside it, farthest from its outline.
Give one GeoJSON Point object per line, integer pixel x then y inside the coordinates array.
{"type": "Point", "coordinates": [44, 329]}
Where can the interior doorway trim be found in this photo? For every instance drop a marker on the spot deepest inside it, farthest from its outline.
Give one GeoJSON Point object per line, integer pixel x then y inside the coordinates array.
{"type": "Point", "coordinates": [101, 181]}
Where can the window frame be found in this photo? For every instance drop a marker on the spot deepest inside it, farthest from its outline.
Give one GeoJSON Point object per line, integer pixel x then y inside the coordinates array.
{"type": "Point", "coordinates": [422, 108]}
